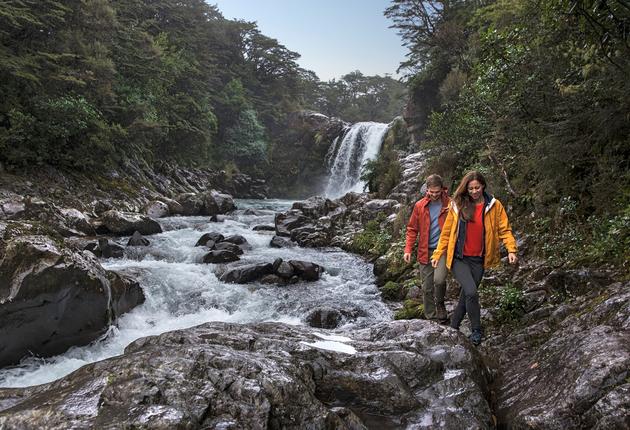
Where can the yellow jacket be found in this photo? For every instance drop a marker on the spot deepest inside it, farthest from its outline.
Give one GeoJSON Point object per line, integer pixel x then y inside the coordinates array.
{"type": "Point", "coordinates": [496, 228]}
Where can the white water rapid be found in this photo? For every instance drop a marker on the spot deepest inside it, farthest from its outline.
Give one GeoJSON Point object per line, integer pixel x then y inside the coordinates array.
{"type": "Point", "coordinates": [182, 292]}
{"type": "Point", "coordinates": [360, 143]}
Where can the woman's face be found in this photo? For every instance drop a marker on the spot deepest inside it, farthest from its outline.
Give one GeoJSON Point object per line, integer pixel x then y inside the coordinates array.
{"type": "Point", "coordinates": [475, 190]}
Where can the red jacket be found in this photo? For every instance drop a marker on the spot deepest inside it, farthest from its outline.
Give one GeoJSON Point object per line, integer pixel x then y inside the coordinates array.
{"type": "Point", "coordinates": [420, 224]}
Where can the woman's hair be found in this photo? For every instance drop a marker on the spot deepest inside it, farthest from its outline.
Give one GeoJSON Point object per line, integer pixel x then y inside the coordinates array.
{"type": "Point", "coordinates": [462, 198]}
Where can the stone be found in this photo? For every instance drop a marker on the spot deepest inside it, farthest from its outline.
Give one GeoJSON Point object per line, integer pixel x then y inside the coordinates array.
{"type": "Point", "coordinates": [126, 223]}
{"type": "Point", "coordinates": [227, 246]}
{"type": "Point", "coordinates": [222, 256]}
{"type": "Point", "coordinates": [52, 298]}
{"type": "Point", "coordinates": [285, 270]}
{"type": "Point", "coordinates": [281, 242]}
{"type": "Point", "coordinates": [269, 375]}
{"type": "Point", "coordinates": [307, 270]}
{"type": "Point", "coordinates": [236, 239]}
{"type": "Point", "coordinates": [213, 236]}
{"type": "Point", "coordinates": [327, 318]}
{"type": "Point", "coordinates": [156, 209]}
{"type": "Point", "coordinates": [137, 240]}
{"type": "Point", "coordinates": [109, 249]}
{"type": "Point", "coordinates": [247, 273]}
{"type": "Point", "coordinates": [263, 227]}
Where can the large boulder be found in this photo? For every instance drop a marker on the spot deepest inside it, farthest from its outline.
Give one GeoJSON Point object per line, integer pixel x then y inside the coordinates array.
{"type": "Point", "coordinates": [227, 376]}
{"type": "Point", "coordinates": [156, 209]}
{"type": "Point", "coordinates": [126, 223]}
{"type": "Point", "coordinates": [566, 365]}
{"type": "Point", "coordinates": [287, 221]}
{"type": "Point", "coordinates": [247, 273]}
{"type": "Point", "coordinates": [52, 298]}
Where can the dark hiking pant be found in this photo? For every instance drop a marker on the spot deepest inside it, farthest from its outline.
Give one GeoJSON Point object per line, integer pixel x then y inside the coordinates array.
{"type": "Point", "coordinates": [434, 288]}
{"type": "Point", "coordinates": [468, 272]}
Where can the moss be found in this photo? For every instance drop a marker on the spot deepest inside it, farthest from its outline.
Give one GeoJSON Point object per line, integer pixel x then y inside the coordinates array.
{"type": "Point", "coordinates": [412, 309]}
{"type": "Point", "coordinates": [391, 291]}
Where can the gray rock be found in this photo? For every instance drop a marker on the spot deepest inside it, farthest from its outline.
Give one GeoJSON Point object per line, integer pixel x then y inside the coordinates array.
{"type": "Point", "coordinates": [156, 209]}
{"type": "Point", "coordinates": [328, 318]}
{"type": "Point", "coordinates": [269, 375]}
{"type": "Point", "coordinates": [137, 240]}
{"type": "Point", "coordinates": [213, 236]}
{"type": "Point", "coordinates": [285, 270]}
{"type": "Point", "coordinates": [126, 223]}
{"type": "Point", "coordinates": [247, 273]}
{"type": "Point", "coordinates": [52, 298]}
{"type": "Point", "coordinates": [221, 256]}
{"type": "Point", "coordinates": [107, 249]}
{"type": "Point", "coordinates": [281, 242]}
{"type": "Point", "coordinates": [263, 227]}
{"type": "Point", "coordinates": [227, 246]}
{"type": "Point", "coordinates": [287, 221]}
{"type": "Point", "coordinates": [307, 270]}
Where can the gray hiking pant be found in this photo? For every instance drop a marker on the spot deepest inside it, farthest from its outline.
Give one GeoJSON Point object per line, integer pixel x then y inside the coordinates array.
{"type": "Point", "coordinates": [468, 272]}
{"type": "Point", "coordinates": [434, 287]}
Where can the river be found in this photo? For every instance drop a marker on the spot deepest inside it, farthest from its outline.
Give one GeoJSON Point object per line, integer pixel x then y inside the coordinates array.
{"type": "Point", "coordinates": [182, 292]}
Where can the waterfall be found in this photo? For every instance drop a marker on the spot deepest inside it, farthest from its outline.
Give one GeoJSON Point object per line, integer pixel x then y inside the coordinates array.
{"type": "Point", "coordinates": [359, 143]}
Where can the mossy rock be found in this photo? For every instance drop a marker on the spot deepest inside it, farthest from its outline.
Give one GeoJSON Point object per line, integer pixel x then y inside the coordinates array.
{"type": "Point", "coordinates": [392, 291]}
{"type": "Point", "coordinates": [412, 309]}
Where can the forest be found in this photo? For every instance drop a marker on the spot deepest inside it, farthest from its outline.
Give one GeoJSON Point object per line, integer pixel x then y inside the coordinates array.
{"type": "Point", "coordinates": [86, 84]}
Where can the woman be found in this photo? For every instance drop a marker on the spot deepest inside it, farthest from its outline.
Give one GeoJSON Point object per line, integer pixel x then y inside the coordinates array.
{"type": "Point", "coordinates": [475, 224]}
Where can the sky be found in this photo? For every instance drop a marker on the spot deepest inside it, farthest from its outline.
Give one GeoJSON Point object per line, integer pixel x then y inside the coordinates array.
{"type": "Point", "coordinates": [333, 37]}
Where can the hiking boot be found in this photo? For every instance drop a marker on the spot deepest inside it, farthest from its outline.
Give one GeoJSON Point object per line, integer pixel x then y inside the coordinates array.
{"type": "Point", "coordinates": [475, 337]}
{"type": "Point", "coordinates": [441, 314]}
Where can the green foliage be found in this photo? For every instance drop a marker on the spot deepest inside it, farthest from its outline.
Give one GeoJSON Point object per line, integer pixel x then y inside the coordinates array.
{"type": "Point", "coordinates": [535, 95]}
{"type": "Point", "coordinates": [412, 309]}
{"type": "Point", "coordinates": [356, 97]}
{"type": "Point", "coordinates": [373, 240]}
{"type": "Point", "coordinates": [391, 291]}
{"type": "Point", "coordinates": [382, 174]}
{"type": "Point", "coordinates": [510, 305]}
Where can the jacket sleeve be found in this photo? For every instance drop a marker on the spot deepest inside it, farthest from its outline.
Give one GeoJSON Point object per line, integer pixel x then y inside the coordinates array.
{"type": "Point", "coordinates": [505, 231]}
{"type": "Point", "coordinates": [445, 236]}
{"type": "Point", "coordinates": [412, 230]}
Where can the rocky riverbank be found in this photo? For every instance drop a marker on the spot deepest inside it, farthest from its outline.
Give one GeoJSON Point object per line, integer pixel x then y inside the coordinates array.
{"type": "Point", "coordinates": [555, 353]}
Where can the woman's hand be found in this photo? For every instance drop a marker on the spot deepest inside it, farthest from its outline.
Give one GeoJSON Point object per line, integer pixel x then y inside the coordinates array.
{"type": "Point", "coordinates": [434, 263]}
{"type": "Point", "coordinates": [512, 257]}
{"type": "Point", "coordinates": [407, 257]}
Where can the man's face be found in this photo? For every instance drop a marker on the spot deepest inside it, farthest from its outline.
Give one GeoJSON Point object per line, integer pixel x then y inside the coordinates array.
{"type": "Point", "coordinates": [434, 193]}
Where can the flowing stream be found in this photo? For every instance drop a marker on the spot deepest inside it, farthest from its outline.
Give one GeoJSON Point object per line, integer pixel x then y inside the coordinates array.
{"type": "Point", "coordinates": [359, 143]}
{"type": "Point", "coordinates": [182, 292]}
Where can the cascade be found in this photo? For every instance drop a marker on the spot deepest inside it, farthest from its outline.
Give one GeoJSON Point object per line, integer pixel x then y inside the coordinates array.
{"type": "Point", "coordinates": [349, 153]}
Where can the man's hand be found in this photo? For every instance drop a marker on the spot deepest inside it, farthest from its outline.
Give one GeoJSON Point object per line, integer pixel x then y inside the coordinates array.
{"type": "Point", "coordinates": [407, 257]}
{"type": "Point", "coordinates": [512, 257]}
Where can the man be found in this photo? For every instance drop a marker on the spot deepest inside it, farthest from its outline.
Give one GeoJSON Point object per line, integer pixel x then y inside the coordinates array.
{"type": "Point", "coordinates": [425, 226]}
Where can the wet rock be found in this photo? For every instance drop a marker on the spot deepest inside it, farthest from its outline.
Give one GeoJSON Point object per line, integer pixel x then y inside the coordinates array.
{"type": "Point", "coordinates": [263, 227]}
{"type": "Point", "coordinates": [307, 270]}
{"type": "Point", "coordinates": [270, 375]}
{"type": "Point", "coordinates": [281, 242]}
{"type": "Point", "coordinates": [156, 209]}
{"type": "Point", "coordinates": [107, 249]}
{"type": "Point", "coordinates": [327, 318]}
{"type": "Point", "coordinates": [287, 221]}
{"type": "Point", "coordinates": [227, 246]}
{"type": "Point", "coordinates": [565, 368]}
{"type": "Point", "coordinates": [137, 240]}
{"type": "Point", "coordinates": [213, 236]}
{"type": "Point", "coordinates": [11, 207]}
{"type": "Point", "coordinates": [220, 256]}
{"type": "Point", "coordinates": [77, 220]}
{"type": "Point", "coordinates": [191, 203]}
{"type": "Point", "coordinates": [126, 293]}
{"type": "Point", "coordinates": [276, 263]}
{"type": "Point", "coordinates": [126, 223]}
{"type": "Point", "coordinates": [52, 299]}
{"type": "Point", "coordinates": [285, 270]}
{"type": "Point", "coordinates": [247, 273]}
{"type": "Point", "coordinates": [272, 279]}
{"type": "Point", "coordinates": [236, 239]}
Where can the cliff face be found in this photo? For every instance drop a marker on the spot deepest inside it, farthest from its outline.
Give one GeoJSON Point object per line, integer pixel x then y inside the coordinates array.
{"type": "Point", "coordinates": [298, 166]}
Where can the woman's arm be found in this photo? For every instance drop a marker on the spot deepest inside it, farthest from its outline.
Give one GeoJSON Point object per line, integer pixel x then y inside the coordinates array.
{"type": "Point", "coordinates": [445, 236]}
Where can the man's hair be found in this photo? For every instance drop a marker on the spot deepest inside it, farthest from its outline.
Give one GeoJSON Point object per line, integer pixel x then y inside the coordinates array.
{"type": "Point", "coordinates": [434, 181]}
